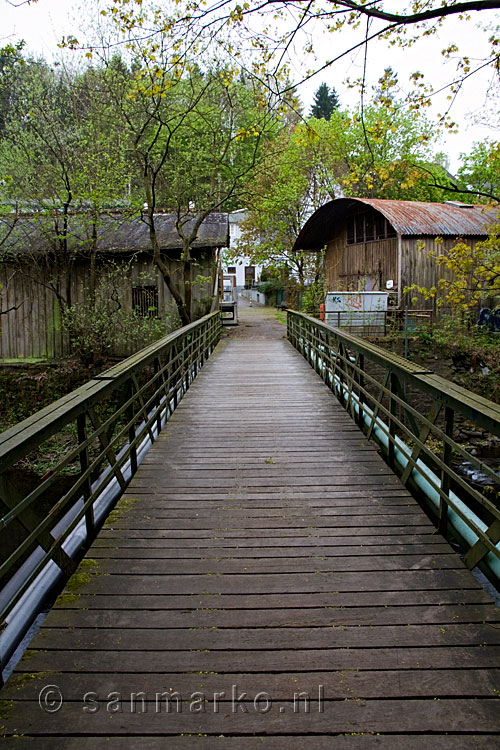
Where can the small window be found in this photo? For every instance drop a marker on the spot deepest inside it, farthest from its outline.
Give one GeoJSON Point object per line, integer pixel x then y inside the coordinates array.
{"type": "Point", "coordinates": [145, 300]}
{"type": "Point", "coordinates": [350, 231]}
{"type": "Point", "coordinates": [369, 228]}
{"type": "Point", "coordinates": [360, 228]}
{"type": "Point", "coordinates": [390, 231]}
{"type": "Point", "coordinates": [231, 269]}
{"type": "Point", "coordinates": [380, 227]}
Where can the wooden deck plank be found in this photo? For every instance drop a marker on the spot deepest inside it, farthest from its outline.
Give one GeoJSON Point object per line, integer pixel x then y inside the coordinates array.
{"type": "Point", "coordinates": [349, 741]}
{"type": "Point", "coordinates": [261, 639]}
{"type": "Point", "coordinates": [356, 715]}
{"type": "Point", "coordinates": [280, 583]}
{"type": "Point", "coordinates": [196, 661]}
{"type": "Point", "coordinates": [284, 617]}
{"type": "Point", "coordinates": [252, 566]}
{"type": "Point", "coordinates": [375, 684]}
{"type": "Point", "coordinates": [265, 547]}
{"type": "Point", "coordinates": [432, 597]}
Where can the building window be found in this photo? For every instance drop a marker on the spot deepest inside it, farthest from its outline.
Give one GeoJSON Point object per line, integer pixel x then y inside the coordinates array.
{"type": "Point", "coordinates": [368, 227]}
{"type": "Point", "coordinates": [249, 276]}
{"type": "Point", "coordinates": [231, 269]}
{"type": "Point", "coordinates": [145, 301]}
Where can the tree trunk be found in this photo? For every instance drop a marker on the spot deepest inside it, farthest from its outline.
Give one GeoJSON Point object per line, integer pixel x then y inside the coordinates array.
{"type": "Point", "coordinates": [93, 260]}
{"type": "Point", "coordinates": [184, 312]}
{"type": "Point", "coordinates": [187, 286]}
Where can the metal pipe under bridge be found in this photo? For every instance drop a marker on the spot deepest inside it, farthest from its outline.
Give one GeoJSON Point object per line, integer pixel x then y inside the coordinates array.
{"type": "Point", "coordinates": [243, 559]}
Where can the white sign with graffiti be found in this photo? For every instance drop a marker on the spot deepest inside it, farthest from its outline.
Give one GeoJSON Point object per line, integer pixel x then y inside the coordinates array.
{"type": "Point", "coordinates": [359, 309]}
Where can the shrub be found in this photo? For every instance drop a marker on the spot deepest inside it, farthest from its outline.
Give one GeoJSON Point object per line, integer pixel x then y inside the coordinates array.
{"type": "Point", "coordinates": [100, 326]}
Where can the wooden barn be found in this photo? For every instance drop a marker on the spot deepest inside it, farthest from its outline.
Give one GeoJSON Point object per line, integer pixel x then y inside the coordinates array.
{"type": "Point", "coordinates": [370, 242]}
{"type": "Point", "coordinates": [45, 267]}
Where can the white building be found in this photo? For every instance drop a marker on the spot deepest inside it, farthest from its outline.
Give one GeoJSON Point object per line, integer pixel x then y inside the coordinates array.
{"type": "Point", "coordinates": [242, 271]}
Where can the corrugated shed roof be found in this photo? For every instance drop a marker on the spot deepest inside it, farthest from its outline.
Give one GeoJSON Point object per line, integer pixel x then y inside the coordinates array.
{"type": "Point", "coordinates": [409, 218]}
{"type": "Point", "coordinates": [116, 233]}
{"type": "Point", "coordinates": [414, 217]}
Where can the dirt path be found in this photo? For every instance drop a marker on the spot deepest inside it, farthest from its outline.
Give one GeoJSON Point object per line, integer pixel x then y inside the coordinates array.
{"type": "Point", "coordinates": [257, 321]}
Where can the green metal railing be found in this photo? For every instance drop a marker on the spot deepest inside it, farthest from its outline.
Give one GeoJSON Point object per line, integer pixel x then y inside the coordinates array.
{"type": "Point", "coordinates": [412, 414]}
{"type": "Point", "coordinates": [95, 437]}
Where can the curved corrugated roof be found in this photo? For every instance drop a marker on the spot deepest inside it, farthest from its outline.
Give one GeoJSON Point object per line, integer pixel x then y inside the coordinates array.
{"type": "Point", "coordinates": [407, 218]}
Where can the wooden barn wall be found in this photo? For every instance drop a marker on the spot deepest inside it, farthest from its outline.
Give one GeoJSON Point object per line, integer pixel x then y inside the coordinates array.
{"type": "Point", "coordinates": [348, 266]}
{"type": "Point", "coordinates": [32, 327]}
{"type": "Point", "coordinates": [419, 267]}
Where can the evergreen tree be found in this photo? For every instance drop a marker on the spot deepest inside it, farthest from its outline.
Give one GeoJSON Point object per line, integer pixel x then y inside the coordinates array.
{"type": "Point", "coordinates": [325, 102]}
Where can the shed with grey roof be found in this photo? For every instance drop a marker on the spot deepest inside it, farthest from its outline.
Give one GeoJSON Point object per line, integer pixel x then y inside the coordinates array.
{"type": "Point", "coordinates": [46, 261]}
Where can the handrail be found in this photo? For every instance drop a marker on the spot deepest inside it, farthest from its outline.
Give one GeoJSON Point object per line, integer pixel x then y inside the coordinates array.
{"type": "Point", "coordinates": [411, 413]}
{"type": "Point", "coordinates": [107, 423]}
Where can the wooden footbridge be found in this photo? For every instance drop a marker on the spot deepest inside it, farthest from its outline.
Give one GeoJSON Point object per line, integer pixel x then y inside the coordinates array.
{"type": "Point", "coordinates": [266, 579]}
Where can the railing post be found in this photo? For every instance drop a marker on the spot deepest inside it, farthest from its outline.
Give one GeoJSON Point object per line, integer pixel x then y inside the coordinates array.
{"type": "Point", "coordinates": [158, 398]}
{"type": "Point", "coordinates": [341, 352]}
{"type": "Point", "coordinates": [361, 386]}
{"type": "Point", "coordinates": [393, 409]}
{"type": "Point", "coordinates": [129, 391]}
{"type": "Point", "coordinates": [84, 465]}
{"type": "Point", "coordinates": [204, 345]}
{"type": "Point", "coordinates": [186, 362]}
{"type": "Point", "coordinates": [449, 419]}
{"type": "Point", "coordinates": [174, 360]}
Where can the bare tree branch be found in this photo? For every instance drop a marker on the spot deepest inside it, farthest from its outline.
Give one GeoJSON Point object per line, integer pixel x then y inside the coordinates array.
{"type": "Point", "coordinates": [424, 15]}
{"type": "Point", "coordinates": [452, 187]}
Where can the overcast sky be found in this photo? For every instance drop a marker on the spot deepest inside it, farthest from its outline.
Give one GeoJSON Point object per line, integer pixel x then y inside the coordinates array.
{"type": "Point", "coordinates": [43, 24]}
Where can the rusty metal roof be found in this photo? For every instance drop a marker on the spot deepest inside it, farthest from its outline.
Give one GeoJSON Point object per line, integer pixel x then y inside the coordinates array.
{"type": "Point", "coordinates": [409, 218]}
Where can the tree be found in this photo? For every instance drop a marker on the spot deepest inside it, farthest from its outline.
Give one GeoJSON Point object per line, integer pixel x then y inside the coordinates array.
{"type": "Point", "coordinates": [11, 62]}
{"type": "Point", "coordinates": [389, 154]}
{"type": "Point", "coordinates": [403, 24]}
{"type": "Point", "coordinates": [289, 185]}
{"type": "Point", "coordinates": [61, 157]}
{"type": "Point", "coordinates": [325, 101]}
{"type": "Point", "coordinates": [479, 174]}
{"type": "Point", "coordinates": [385, 154]}
{"type": "Point", "coordinates": [195, 132]}
{"type": "Point", "coordinates": [38, 149]}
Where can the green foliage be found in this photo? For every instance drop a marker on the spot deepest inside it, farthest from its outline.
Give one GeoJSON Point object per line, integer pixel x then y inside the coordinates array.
{"type": "Point", "coordinates": [11, 60]}
{"type": "Point", "coordinates": [325, 101]}
{"type": "Point", "coordinates": [160, 133]}
{"type": "Point", "coordinates": [480, 170]}
{"type": "Point", "coordinates": [313, 297]}
{"type": "Point", "coordinates": [271, 286]}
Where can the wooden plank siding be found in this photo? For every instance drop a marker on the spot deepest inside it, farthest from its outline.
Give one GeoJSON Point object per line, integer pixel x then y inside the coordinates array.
{"type": "Point", "coordinates": [33, 328]}
{"type": "Point", "coordinates": [263, 554]}
{"type": "Point", "coordinates": [419, 265]}
{"type": "Point", "coordinates": [348, 266]}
